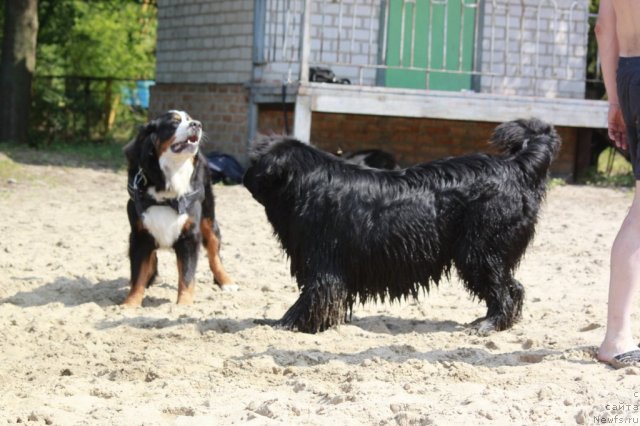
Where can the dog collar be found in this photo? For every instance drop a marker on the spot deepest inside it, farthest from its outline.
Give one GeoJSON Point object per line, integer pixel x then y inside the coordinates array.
{"type": "Point", "coordinates": [138, 193]}
{"type": "Point", "coordinates": [138, 182]}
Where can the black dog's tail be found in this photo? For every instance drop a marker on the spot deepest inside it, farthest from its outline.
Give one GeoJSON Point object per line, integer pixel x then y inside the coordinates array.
{"type": "Point", "coordinates": [533, 143]}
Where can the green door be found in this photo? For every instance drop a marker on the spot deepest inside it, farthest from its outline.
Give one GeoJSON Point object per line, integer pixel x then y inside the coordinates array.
{"type": "Point", "coordinates": [433, 45]}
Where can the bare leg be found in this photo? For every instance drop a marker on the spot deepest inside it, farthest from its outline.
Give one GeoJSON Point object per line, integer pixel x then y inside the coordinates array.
{"type": "Point", "coordinates": [623, 284]}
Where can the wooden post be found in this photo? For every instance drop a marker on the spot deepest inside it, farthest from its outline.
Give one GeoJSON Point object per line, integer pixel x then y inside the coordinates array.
{"type": "Point", "coordinates": [302, 117]}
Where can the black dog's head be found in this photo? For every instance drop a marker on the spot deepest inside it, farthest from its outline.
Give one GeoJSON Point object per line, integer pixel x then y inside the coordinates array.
{"type": "Point", "coordinates": [270, 166]}
{"type": "Point", "coordinates": [513, 136]}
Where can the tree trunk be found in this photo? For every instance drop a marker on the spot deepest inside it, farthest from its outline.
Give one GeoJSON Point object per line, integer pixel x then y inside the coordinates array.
{"type": "Point", "coordinates": [17, 66]}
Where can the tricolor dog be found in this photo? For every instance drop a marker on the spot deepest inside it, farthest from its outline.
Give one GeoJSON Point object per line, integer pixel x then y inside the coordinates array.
{"type": "Point", "coordinates": [171, 205]}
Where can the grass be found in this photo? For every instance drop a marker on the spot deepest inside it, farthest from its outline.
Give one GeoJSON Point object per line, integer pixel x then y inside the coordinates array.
{"type": "Point", "coordinates": [9, 169]}
{"type": "Point", "coordinates": [612, 169]}
{"type": "Point", "coordinates": [555, 182]}
{"type": "Point", "coordinates": [91, 155]}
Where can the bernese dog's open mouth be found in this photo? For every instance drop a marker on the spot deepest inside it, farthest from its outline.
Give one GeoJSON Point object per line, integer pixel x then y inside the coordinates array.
{"type": "Point", "coordinates": [191, 143]}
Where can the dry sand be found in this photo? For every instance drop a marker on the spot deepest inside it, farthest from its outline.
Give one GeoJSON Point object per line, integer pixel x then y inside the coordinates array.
{"type": "Point", "coordinates": [69, 354]}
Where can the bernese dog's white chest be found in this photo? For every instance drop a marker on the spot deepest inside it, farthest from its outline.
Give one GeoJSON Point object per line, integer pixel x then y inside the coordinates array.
{"type": "Point", "coordinates": [165, 224]}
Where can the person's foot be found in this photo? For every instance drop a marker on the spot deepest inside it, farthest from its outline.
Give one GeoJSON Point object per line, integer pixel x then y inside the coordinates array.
{"type": "Point", "coordinates": [619, 354]}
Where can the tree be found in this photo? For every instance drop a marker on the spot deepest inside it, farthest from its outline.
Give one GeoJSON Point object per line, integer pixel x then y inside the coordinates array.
{"type": "Point", "coordinates": [89, 54]}
{"type": "Point", "coordinates": [17, 66]}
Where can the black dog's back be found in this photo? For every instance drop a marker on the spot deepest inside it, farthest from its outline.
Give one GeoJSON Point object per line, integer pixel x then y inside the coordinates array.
{"type": "Point", "coordinates": [353, 232]}
{"type": "Point", "coordinates": [375, 158]}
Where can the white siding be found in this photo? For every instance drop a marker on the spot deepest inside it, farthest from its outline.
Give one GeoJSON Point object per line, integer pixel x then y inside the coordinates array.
{"type": "Point", "coordinates": [204, 41]}
{"type": "Point", "coordinates": [527, 47]}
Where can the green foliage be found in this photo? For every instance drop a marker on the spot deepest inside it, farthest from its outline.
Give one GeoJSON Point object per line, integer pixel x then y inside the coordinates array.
{"type": "Point", "coordinates": [97, 38]}
{"type": "Point", "coordinates": [612, 169]}
{"type": "Point", "coordinates": [555, 182]}
{"type": "Point", "coordinates": [79, 154]}
{"type": "Point", "coordinates": [599, 179]}
{"type": "Point", "coordinates": [88, 51]}
{"type": "Point", "coordinates": [595, 87]}
{"type": "Point", "coordinates": [111, 39]}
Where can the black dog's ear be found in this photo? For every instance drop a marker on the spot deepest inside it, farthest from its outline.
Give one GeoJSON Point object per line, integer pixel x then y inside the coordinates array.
{"type": "Point", "coordinates": [262, 145]}
{"type": "Point", "coordinates": [149, 130]}
{"type": "Point", "coordinates": [269, 168]}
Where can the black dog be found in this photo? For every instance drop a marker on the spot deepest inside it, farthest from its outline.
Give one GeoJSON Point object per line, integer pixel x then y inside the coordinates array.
{"type": "Point", "coordinates": [171, 205]}
{"type": "Point", "coordinates": [376, 234]}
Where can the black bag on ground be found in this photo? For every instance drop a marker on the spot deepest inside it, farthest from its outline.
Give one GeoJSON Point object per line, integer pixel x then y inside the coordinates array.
{"type": "Point", "coordinates": [224, 168]}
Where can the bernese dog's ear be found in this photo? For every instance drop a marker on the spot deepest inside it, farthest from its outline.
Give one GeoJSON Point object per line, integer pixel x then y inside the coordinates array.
{"type": "Point", "coordinates": [133, 149]}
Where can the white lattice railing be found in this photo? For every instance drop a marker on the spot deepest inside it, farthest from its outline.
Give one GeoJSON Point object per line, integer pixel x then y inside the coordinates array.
{"type": "Point", "coordinates": [511, 47]}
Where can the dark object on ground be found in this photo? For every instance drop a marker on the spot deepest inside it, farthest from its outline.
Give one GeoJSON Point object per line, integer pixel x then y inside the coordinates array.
{"type": "Point", "coordinates": [325, 75]}
{"type": "Point", "coordinates": [224, 168]}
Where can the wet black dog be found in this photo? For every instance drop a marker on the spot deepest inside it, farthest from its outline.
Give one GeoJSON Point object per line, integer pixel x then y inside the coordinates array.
{"type": "Point", "coordinates": [375, 234]}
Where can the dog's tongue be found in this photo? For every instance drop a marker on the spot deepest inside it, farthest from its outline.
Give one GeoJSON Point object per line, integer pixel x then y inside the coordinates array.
{"type": "Point", "coordinates": [193, 138]}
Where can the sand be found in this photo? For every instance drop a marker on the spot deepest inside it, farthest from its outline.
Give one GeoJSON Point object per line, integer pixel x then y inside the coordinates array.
{"type": "Point", "coordinates": [70, 355]}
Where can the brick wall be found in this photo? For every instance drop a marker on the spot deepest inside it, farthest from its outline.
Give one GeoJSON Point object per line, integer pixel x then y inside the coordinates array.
{"type": "Point", "coordinates": [222, 109]}
{"type": "Point", "coordinates": [411, 140]}
{"type": "Point", "coordinates": [204, 41]}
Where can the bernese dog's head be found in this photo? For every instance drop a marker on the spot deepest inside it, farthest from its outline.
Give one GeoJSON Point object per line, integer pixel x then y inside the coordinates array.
{"type": "Point", "coordinates": [175, 133]}
{"type": "Point", "coordinates": [169, 143]}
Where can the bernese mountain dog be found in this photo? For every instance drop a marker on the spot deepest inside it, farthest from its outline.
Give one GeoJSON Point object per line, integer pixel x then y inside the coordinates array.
{"type": "Point", "coordinates": [171, 205]}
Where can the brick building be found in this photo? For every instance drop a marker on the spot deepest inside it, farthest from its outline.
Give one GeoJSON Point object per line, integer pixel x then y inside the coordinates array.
{"type": "Point", "coordinates": [428, 78]}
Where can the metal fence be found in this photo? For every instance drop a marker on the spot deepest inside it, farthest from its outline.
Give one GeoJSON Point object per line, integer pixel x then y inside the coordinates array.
{"type": "Point", "coordinates": [79, 108]}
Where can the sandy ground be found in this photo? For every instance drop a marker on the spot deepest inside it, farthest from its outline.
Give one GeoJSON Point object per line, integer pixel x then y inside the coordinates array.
{"type": "Point", "coordinates": [69, 354]}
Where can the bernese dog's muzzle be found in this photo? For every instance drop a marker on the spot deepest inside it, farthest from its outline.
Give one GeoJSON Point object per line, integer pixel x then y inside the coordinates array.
{"type": "Point", "coordinates": [192, 141]}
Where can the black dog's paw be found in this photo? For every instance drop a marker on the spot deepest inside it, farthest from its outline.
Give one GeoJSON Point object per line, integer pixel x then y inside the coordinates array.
{"type": "Point", "coordinates": [487, 325]}
{"type": "Point", "coordinates": [483, 326]}
{"type": "Point", "coordinates": [277, 324]}
{"type": "Point", "coordinates": [270, 322]}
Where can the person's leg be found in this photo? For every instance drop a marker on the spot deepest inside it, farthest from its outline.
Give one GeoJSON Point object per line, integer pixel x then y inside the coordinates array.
{"type": "Point", "coordinates": [623, 285]}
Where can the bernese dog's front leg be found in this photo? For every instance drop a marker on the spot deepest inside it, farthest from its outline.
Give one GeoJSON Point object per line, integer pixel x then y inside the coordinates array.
{"type": "Point", "coordinates": [186, 249]}
{"type": "Point", "coordinates": [211, 242]}
{"type": "Point", "coordinates": [144, 263]}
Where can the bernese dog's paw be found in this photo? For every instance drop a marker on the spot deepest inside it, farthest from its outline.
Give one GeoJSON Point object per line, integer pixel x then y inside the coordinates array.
{"type": "Point", "coordinates": [229, 287]}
